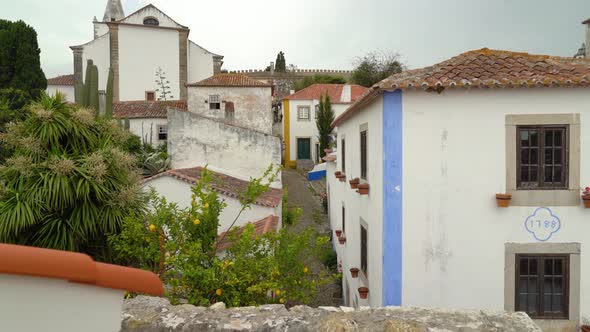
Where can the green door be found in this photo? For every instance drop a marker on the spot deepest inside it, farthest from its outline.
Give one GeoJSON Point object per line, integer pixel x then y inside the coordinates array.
{"type": "Point", "coordinates": [303, 148]}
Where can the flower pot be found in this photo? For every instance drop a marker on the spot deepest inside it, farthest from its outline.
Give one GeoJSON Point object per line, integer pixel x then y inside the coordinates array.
{"type": "Point", "coordinates": [354, 272]}
{"type": "Point", "coordinates": [342, 239]}
{"type": "Point", "coordinates": [586, 200]}
{"type": "Point", "coordinates": [585, 328]}
{"type": "Point", "coordinates": [363, 188]}
{"type": "Point", "coordinates": [337, 173]}
{"type": "Point", "coordinates": [503, 200]}
{"type": "Point", "coordinates": [354, 183]}
{"type": "Point", "coordinates": [363, 292]}
{"type": "Point", "coordinates": [338, 232]}
{"type": "Point", "coordinates": [341, 177]}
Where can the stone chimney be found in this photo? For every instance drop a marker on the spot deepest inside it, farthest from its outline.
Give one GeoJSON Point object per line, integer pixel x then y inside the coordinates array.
{"type": "Point", "coordinates": [346, 96]}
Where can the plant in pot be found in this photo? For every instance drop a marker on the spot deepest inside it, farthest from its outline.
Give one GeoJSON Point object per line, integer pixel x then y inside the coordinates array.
{"type": "Point", "coordinates": [354, 183]}
{"type": "Point", "coordinates": [338, 232]}
{"type": "Point", "coordinates": [586, 197]}
{"type": "Point", "coordinates": [342, 239]}
{"type": "Point", "coordinates": [354, 272]}
{"type": "Point", "coordinates": [342, 177]}
{"type": "Point", "coordinates": [337, 173]}
{"type": "Point", "coordinates": [363, 188]}
{"type": "Point", "coordinates": [363, 292]}
{"type": "Point", "coordinates": [503, 200]}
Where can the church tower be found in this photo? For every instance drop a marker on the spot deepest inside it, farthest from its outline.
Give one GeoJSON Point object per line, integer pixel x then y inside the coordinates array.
{"type": "Point", "coordinates": [113, 11]}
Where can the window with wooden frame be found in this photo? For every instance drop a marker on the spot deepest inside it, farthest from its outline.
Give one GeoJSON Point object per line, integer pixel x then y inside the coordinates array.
{"type": "Point", "coordinates": [343, 219]}
{"type": "Point", "coordinates": [542, 285]}
{"type": "Point", "coordinates": [343, 163]}
{"type": "Point", "coordinates": [303, 113]}
{"type": "Point", "coordinates": [364, 154]}
{"type": "Point", "coordinates": [542, 157]}
{"type": "Point", "coordinates": [150, 95]}
{"type": "Point", "coordinates": [364, 258]}
{"type": "Point", "coordinates": [163, 132]}
{"type": "Point", "coordinates": [214, 102]}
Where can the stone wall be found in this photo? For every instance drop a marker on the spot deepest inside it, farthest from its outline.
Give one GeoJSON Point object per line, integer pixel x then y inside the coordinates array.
{"type": "Point", "coordinates": [149, 314]}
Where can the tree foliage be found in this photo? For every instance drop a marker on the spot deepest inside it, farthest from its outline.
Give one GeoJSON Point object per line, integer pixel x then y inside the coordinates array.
{"type": "Point", "coordinates": [20, 66]}
{"type": "Point", "coordinates": [322, 79]}
{"type": "Point", "coordinates": [69, 181]}
{"type": "Point", "coordinates": [324, 123]}
{"type": "Point", "coordinates": [374, 67]}
{"type": "Point", "coordinates": [181, 246]}
{"type": "Point", "coordinates": [280, 63]}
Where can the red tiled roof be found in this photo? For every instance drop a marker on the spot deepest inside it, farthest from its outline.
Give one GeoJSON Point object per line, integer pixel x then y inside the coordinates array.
{"type": "Point", "coordinates": [61, 80]}
{"type": "Point", "coordinates": [315, 91]}
{"type": "Point", "coordinates": [268, 224]}
{"type": "Point", "coordinates": [226, 79]}
{"type": "Point", "coordinates": [146, 108]}
{"type": "Point", "coordinates": [224, 184]}
{"type": "Point", "coordinates": [484, 68]}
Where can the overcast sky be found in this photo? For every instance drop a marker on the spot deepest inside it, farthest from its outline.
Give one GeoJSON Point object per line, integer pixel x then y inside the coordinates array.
{"type": "Point", "coordinates": [325, 33]}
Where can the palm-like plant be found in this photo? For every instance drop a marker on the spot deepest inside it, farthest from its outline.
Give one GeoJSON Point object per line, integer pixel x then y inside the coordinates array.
{"type": "Point", "coordinates": [69, 181]}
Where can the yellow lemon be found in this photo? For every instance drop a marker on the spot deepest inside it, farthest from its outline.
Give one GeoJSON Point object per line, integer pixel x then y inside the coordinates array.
{"type": "Point", "coordinates": [206, 205]}
{"type": "Point", "coordinates": [278, 292]}
{"type": "Point", "coordinates": [152, 228]}
{"type": "Point", "coordinates": [218, 292]}
{"type": "Point", "coordinates": [305, 269]}
{"type": "Point", "coordinates": [282, 300]}
{"type": "Point", "coordinates": [196, 221]}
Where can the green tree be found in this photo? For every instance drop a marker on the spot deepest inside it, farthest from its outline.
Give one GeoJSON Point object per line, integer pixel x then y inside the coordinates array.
{"type": "Point", "coordinates": [322, 79]}
{"type": "Point", "coordinates": [374, 67]}
{"type": "Point", "coordinates": [280, 63]}
{"type": "Point", "coordinates": [69, 181]}
{"type": "Point", "coordinates": [324, 123]}
{"type": "Point", "coordinates": [20, 66]}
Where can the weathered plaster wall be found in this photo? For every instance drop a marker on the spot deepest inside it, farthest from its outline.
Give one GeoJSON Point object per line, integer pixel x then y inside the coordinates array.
{"type": "Point", "coordinates": [454, 162]}
{"type": "Point", "coordinates": [200, 63]}
{"type": "Point", "coordinates": [195, 140]}
{"type": "Point", "coordinates": [150, 314]}
{"type": "Point", "coordinates": [138, 17]}
{"type": "Point", "coordinates": [98, 51]}
{"type": "Point", "coordinates": [66, 90]}
{"type": "Point", "coordinates": [178, 191]}
{"type": "Point", "coordinates": [147, 129]}
{"type": "Point", "coordinates": [252, 105]}
{"type": "Point", "coordinates": [141, 51]}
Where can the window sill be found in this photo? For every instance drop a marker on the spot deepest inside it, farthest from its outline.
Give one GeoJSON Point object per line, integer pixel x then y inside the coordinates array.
{"type": "Point", "coordinates": [568, 197]}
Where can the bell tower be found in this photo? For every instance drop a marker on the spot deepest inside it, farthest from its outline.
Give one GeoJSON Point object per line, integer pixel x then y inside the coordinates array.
{"type": "Point", "coordinates": [113, 11]}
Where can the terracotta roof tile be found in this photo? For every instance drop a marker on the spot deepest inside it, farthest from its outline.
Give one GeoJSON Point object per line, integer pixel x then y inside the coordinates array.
{"type": "Point", "coordinates": [224, 184]}
{"type": "Point", "coordinates": [484, 68]}
{"type": "Point", "coordinates": [226, 79]}
{"type": "Point", "coordinates": [268, 224]}
{"type": "Point", "coordinates": [314, 91]}
{"type": "Point", "coordinates": [146, 108]}
{"type": "Point", "coordinates": [61, 80]}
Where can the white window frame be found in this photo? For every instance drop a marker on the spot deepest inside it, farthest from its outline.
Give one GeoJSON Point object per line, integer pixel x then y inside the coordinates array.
{"type": "Point", "coordinates": [162, 129]}
{"type": "Point", "coordinates": [214, 99]}
{"type": "Point", "coordinates": [300, 112]}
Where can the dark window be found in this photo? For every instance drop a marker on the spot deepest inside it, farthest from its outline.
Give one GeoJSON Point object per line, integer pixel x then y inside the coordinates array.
{"type": "Point", "coordinates": [151, 21]}
{"type": "Point", "coordinates": [343, 147]}
{"type": "Point", "coordinates": [343, 219]}
{"type": "Point", "coordinates": [150, 95]}
{"type": "Point", "coordinates": [364, 154]}
{"type": "Point", "coordinates": [542, 157]}
{"type": "Point", "coordinates": [364, 250]}
{"type": "Point", "coordinates": [163, 132]}
{"type": "Point", "coordinates": [542, 285]}
{"type": "Point", "coordinates": [214, 102]}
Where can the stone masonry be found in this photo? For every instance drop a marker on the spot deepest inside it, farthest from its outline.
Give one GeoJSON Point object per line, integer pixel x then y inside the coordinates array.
{"type": "Point", "coordinates": [151, 314]}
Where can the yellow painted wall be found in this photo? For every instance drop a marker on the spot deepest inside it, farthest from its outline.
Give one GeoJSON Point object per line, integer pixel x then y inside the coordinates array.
{"type": "Point", "coordinates": [287, 135]}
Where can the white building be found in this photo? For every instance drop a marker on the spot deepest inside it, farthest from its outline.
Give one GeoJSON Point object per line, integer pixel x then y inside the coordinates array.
{"type": "Point", "coordinates": [299, 119]}
{"type": "Point", "coordinates": [434, 146]}
{"type": "Point", "coordinates": [63, 84]}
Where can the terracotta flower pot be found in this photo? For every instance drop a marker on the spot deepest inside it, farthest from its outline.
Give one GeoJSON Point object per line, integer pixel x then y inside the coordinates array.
{"type": "Point", "coordinates": [363, 188]}
{"type": "Point", "coordinates": [338, 232]}
{"type": "Point", "coordinates": [342, 239]}
{"type": "Point", "coordinates": [585, 328]}
{"type": "Point", "coordinates": [503, 200]}
{"type": "Point", "coordinates": [354, 272]}
{"type": "Point", "coordinates": [586, 200]}
{"type": "Point", "coordinates": [337, 173]}
{"type": "Point", "coordinates": [363, 292]}
{"type": "Point", "coordinates": [341, 177]}
{"type": "Point", "coordinates": [354, 183]}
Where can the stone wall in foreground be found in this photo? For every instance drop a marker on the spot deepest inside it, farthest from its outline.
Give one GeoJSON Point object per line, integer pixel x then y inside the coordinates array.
{"type": "Point", "coordinates": [150, 314]}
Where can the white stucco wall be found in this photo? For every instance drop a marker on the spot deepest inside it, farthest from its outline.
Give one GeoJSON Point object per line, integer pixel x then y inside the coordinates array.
{"type": "Point", "coordinates": [100, 28]}
{"type": "Point", "coordinates": [252, 106]}
{"type": "Point", "coordinates": [147, 129]}
{"type": "Point", "coordinates": [360, 208]}
{"type": "Point", "coordinates": [98, 51]}
{"type": "Point", "coordinates": [200, 63]}
{"type": "Point", "coordinates": [138, 17]}
{"type": "Point", "coordinates": [141, 51]}
{"type": "Point", "coordinates": [66, 90]}
{"type": "Point", "coordinates": [307, 128]}
{"type": "Point", "coordinates": [52, 305]}
{"type": "Point", "coordinates": [454, 162]}
{"type": "Point", "coordinates": [178, 191]}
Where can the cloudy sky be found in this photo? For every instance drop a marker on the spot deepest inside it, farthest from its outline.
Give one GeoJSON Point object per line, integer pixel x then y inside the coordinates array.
{"type": "Point", "coordinates": [326, 33]}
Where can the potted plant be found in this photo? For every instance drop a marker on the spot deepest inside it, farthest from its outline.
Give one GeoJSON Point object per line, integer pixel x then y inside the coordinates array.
{"type": "Point", "coordinates": [338, 232]}
{"type": "Point", "coordinates": [363, 292]}
{"type": "Point", "coordinates": [503, 200]}
{"type": "Point", "coordinates": [354, 183]}
{"type": "Point", "coordinates": [342, 239]}
{"type": "Point", "coordinates": [363, 188]}
{"type": "Point", "coordinates": [337, 173]}
{"type": "Point", "coordinates": [354, 272]}
{"type": "Point", "coordinates": [586, 197]}
{"type": "Point", "coordinates": [341, 177]}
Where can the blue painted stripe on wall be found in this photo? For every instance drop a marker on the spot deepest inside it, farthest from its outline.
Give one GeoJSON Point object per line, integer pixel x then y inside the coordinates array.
{"type": "Point", "coordinates": [392, 198]}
